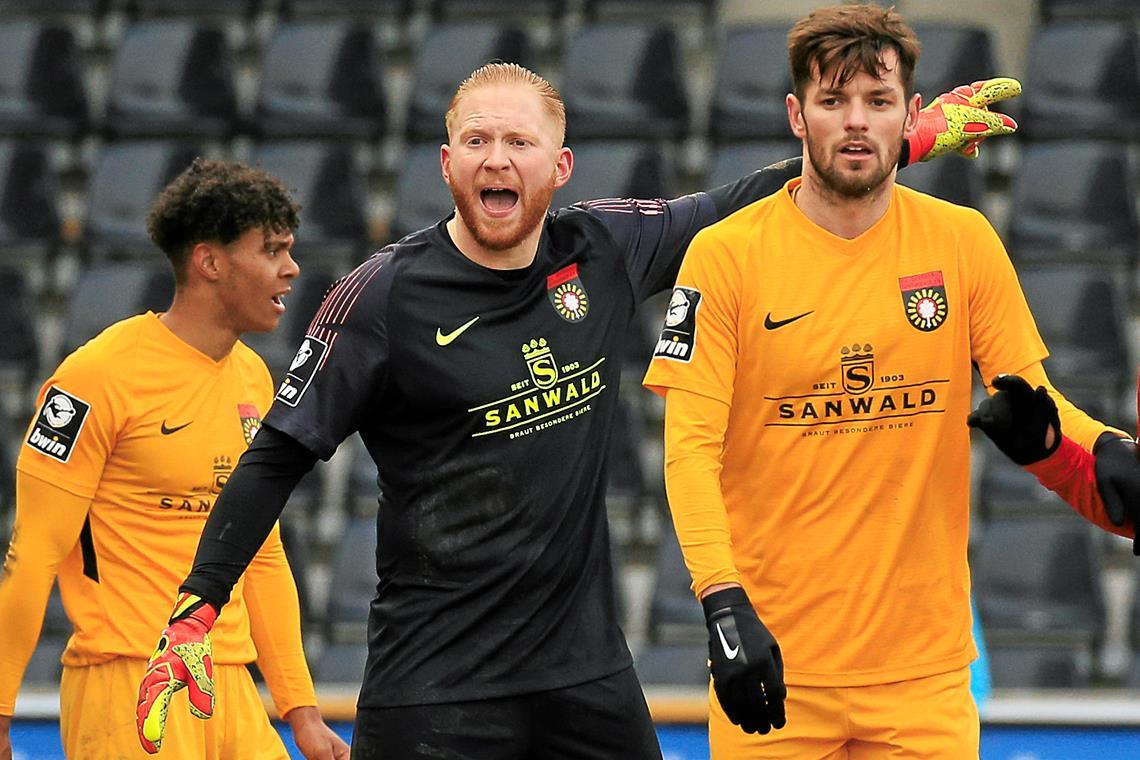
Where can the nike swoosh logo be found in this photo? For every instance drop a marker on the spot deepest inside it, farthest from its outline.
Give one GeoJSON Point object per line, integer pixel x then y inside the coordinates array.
{"type": "Point", "coordinates": [771, 324]}
{"type": "Point", "coordinates": [168, 430]}
{"type": "Point", "coordinates": [729, 652]}
{"type": "Point", "coordinates": [445, 339]}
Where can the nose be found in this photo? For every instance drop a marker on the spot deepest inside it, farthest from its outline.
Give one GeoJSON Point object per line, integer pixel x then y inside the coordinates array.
{"type": "Point", "coordinates": [497, 157]}
{"type": "Point", "coordinates": [291, 269]}
{"type": "Point", "coordinates": [855, 118]}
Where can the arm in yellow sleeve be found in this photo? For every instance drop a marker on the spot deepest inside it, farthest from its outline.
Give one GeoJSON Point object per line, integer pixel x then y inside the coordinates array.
{"type": "Point", "coordinates": [694, 442]}
{"type": "Point", "coordinates": [275, 623]}
{"type": "Point", "coordinates": [48, 522]}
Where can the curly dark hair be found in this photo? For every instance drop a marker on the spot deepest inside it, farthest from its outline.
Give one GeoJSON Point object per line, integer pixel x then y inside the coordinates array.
{"type": "Point", "coordinates": [217, 201]}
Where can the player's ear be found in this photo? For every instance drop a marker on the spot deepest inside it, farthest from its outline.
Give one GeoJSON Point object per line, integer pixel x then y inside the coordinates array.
{"type": "Point", "coordinates": [563, 167]}
{"type": "Point", "coordinates": [445, 162]}
{"type": "Point", "coordinates": [204, 262]}
{"type": "Point", "coordinates": [912, 109]}
{"type": "Point", "coordinates": [795, 115]}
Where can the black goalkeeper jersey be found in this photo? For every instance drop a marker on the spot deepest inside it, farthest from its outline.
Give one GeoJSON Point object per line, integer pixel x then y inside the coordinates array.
{"type": "Point", "coordinates": [486, 399]}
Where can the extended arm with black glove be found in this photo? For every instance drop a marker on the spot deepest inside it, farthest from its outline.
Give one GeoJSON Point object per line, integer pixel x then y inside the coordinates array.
{"type": "Point", "coordinates": [1018, 420]}
{"type": "Point", "coordinates": [747, 668]}
{"type": "Point", "coordinates": [182, 659]}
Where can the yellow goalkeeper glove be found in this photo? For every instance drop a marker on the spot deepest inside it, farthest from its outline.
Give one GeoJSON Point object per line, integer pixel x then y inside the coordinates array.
{"type": "Point", "coordinates": [958, 121]}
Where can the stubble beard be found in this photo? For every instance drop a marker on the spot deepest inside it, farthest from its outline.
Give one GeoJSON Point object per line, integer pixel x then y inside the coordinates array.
{"type": "Point", "coordinates": [845, 186]}
{"type": "Point", "coordinates": [496, 234]}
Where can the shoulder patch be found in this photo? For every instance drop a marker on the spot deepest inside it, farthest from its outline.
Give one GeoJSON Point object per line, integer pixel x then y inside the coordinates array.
{"type": "Point", "coordinates": [301, 370]}
{"type": "Point", "coordinates": [678, 338]}
{"type": "Point", "coordinates": [58, 424]}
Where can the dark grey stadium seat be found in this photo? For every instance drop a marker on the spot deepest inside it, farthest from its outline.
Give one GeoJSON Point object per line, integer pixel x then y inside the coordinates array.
{"type": "Point", "coordinates": [41, 80]}
{"type": "Point", "coordinates": [624, 81]}
{"type": "Point", "coordinates": [321, 78]}
{"type": "Point", "coordinates": [19, 350]}
{"type": "Point", "coordinates": [952, 54]}
{"type": "Point", "coordinates": [1073, 202]}
{"type": "Point", "coordinates": [1037, 577]}
{"type": "Point", "coordinates": [1057, 10]}
{"type": "Point", "coordinates": [731, 161]}
{"type": "Point", "coordinates": [172, 78]}
{"type": "Point", "coordinates": [447, 55]}
{"type": "Point", "coordinates": [1082, 79]}
{"type": "Point", "coordinates": [361, 8]}
{"type": "Point", "coordinates": [953, 178]}
{"type": "Point", "coordinates": [675, 616]}
{"type": "Point", "coordinates": [29, 219]}
{"type": "Point", "coordinates": [331, 187]}
{"type": "Point", "coordinates": [752, 79]}
{"type": "Point", "coordinates": [1014, 666]}
{"type": "Point", "coordinates": [133, 289]}
{"type": "Point", "coordinates": [422, 197]}
{"type": "Point", "coordinates": [673, 664]}
{"type": "Point", "coordinates": [234, 8]}
{"type": "Point", "coordinates": [353, 583]}
{"type": "Point", "coordinates": [605, 9]}
{"type": "Point", "coordinates": [616, 170]}
{"type": "Point", "coordinates": [502, 9]}
{"type": "Point", "coordinates": [120, 191]}
{"type": "Point", "coordinates": [277, 348]}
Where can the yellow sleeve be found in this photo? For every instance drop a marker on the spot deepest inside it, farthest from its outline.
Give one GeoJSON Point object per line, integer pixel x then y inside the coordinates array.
{"type": "Point", "coordinates": [1075, 424]}
{"type": "Point", "coordinates": [275, 623]}
{"type": "Point", "coordinates": [48, 522]}
{"type": "Point", "coordinates": [1003, 334]}
{"type": "Point", "coordinates": [694, 443]}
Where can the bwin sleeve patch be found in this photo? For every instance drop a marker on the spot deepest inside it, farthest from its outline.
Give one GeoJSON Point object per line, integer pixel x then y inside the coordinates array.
{"type": "Point", "coordinates": [678, 338]}
{"type": "Point", "coordinates": [58, 424]}
{"type": "Point", "coordinates": [301, 370]}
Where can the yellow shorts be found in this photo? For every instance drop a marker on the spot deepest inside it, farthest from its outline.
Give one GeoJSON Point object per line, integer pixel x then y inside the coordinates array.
{"type": "Point", "coordinates": [932, 718]}
{"type": "Point", "coordinates": [97, 717]}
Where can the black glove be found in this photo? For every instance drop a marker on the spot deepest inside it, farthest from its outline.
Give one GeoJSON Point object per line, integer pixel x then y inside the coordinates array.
{"type": "Point", "coordinates": [1016, 419]}
{"type": "Point", "coordinates": [1118, 480]}
{"type": "Point", "coordinates": [747, 669]}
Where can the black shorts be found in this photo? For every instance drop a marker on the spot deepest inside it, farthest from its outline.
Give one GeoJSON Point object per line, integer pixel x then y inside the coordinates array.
{"type": "Point", "coordinates": [604, 719]}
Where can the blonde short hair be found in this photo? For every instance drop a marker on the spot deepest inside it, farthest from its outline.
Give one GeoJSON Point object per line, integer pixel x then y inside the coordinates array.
{"type": "Point", "coordinates": [510, 73]}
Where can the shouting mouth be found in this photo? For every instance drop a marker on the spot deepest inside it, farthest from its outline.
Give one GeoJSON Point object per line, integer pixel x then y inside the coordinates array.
{"type": "Point", "coordinates": [498, 201]}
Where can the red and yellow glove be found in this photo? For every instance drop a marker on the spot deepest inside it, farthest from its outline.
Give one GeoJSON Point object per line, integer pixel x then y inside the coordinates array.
{"type": "Point", "coordinates": [960, 119]}
{"type": "Point", "coordinates": [182, 659]}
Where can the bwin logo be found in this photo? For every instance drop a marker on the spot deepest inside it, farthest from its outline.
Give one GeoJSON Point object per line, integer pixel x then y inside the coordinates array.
{"type": "Point", "coordinates": [287, 392]}
{"type": "Point", "coordinates": [47, 445]}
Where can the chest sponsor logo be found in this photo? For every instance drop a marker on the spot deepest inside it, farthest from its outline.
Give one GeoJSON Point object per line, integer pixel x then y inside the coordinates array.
{"type": "Point", "coordinates": [302, 370]}
{"type": "Point", "coordinates": [250, 421]}
{"type": "Point", "coordinates": [567, 294]}
{"type": "Point", "coordinates": [551, 392]}
{"type": "Point", "coordinates": [678, 338]}
{"type": "Point", "coordinates": [201, 497]}
{"type": "Point", "coordinates": [924, 300]}
{"type": "Point", "coordinates": [862, 397]}
{"type": "Point", "coordinates": [58, 424]}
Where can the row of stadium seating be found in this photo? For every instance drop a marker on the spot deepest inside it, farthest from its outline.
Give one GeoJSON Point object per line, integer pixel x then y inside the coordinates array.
{"type": "Point", "coordinates": [327, 78]}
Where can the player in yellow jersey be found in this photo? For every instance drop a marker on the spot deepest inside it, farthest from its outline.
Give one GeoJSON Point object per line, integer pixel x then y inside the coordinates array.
{"type": "Point", "coordinates": [136, 433]}
{"type": "Point", "coordinates": [816, 364]}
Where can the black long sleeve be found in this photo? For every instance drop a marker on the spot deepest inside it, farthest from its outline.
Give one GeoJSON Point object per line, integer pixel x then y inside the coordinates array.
{"type": "Point", "coordinates": [245, 512]}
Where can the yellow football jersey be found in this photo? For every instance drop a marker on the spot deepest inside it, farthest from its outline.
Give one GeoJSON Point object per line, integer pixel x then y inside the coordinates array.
{"type": "Point", "coordinates": [847, 366]}
{"type": "Point", "coordinates": [149, 429]}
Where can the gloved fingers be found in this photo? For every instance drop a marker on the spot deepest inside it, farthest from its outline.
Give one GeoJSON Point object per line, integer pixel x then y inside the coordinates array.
{"type": "Point", "coordinates": [1113, 505]}
{"type": "Point", "coordinates": [971, 150]}
{"type": "Point", "coordinates": [1014, 384]}
{"type": "Point", "coordinates": [157, 687]}
{"type": "Point", "coordinates": [978, 122]}
{"type": "Point", "coordinates": [988, 91]}
{"type": "Point", "coordinates": [993, 415]}
{"type": "Point", "coordinates": [775, 692]}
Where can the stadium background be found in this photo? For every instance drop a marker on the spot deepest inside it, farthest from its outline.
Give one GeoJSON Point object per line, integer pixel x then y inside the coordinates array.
{"type": "Point", "coordinates": [103, 101]}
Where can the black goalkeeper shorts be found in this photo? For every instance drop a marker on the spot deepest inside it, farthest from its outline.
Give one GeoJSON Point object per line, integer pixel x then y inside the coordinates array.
{"type": "Point", "coordinates": [604, 719]}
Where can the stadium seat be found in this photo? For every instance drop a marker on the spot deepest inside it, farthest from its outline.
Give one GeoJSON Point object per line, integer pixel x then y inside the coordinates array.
{"type": "Point", "coordinates": [1081, 315]}
{"type": "Point", "coordinates": [952, 54]}
{"type": "Point", "coordinates": [19, 351]}
{"type": "Point", "coordinates": [1082, 79]}
{"type": "Point", "coordinates": [172, 78]}
{"type": "Point", "coordinates": [238, 8]}
{"type": "Point", "coordinates": [136, 287]}
{"type": "Point", "coordinates": [1007, 490]}
{"type": "Point", "coordinates": [616, 170]}
{"type": "Point", "coordinates": [1120, 10]}
{"type": "Point", "coordinates": [353, 583]}
{"type": "Point", "coordinates": [1073, 202]}
{"type": "Point", "coordinates": [278, 348]}
{"type": "Point", "coordinates": [1014, 666]}
{"type": "Point", "coordinates": [29, 218]}
{"type": "Point", "coordinates": [502, 9]}
{"type": "Point", "coordinates": [321, 78]}
{"type": "Point", "coordinates": [624, 81]}
{"type": "Point", "coordinates": [422, 197]}
{"type": "Point", "coordinates": [127, 178]}
{"type": "Point", "coordinates": [328, 182]}
{"type": "Point", "coordinates": [41, 81]}
{"type": "Point", "coordinates": [752, 79]}
{"type": "Point", "coordinates": [1037, 577]}
{"type": "Point", "coordinates": [447, 55]}
{"type": "Point", "coordinates": [626, 483]}
{"type": "Point", "coordinates": [731, 161]}
{"type": "Point", "coordinates": [605, 9]}
{"type": "Point", "coordinates": [954, 178]}
{"type": "Point", "coordinates": [675, 616]}
{"type": "Point", "coordinates": [340, 8]}
{"type": "Point", "coordinates": [673, 665]}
